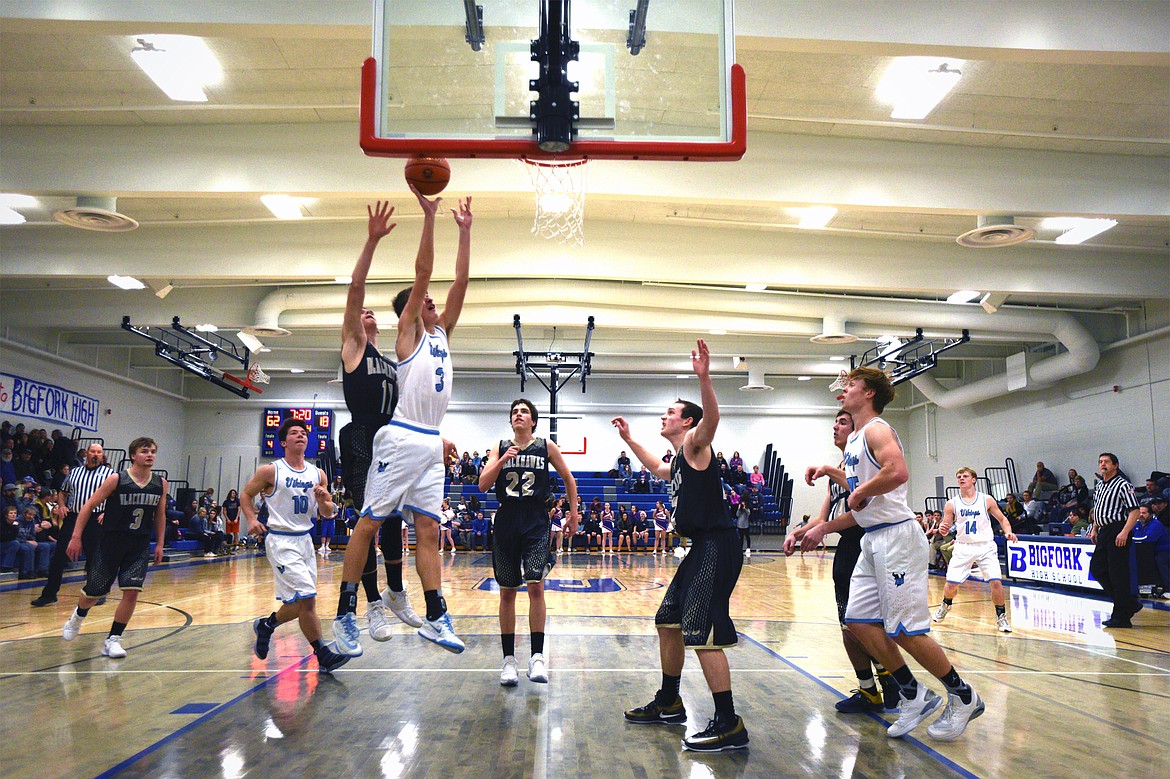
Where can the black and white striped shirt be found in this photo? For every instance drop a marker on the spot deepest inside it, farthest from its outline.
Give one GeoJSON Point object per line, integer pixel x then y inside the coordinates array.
{"type": "Point", "coordinates": [82, 484]}
{"type": "Point", "coordinates": [1113, 501]}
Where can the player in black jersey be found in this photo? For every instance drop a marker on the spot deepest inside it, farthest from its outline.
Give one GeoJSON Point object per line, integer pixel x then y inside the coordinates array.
{"type": "Point", "coordinates": [135, 506]}
{"type": "Point", "coordinates": [694, 611]}
{"type": "Point", "coordinates": [369, 382]}
{"type": "Point", "coordinates": [520, 553]}
{"type": "Point", "coordinates": [866, 697]}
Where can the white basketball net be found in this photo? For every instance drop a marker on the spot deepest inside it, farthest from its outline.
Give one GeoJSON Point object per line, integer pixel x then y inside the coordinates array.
{"type": "Point", "coordinates": [560, 198]}
{"type": "Point", "coordinates": [839, 384]}
{"type": "Point", "coordinates": [257, 376]}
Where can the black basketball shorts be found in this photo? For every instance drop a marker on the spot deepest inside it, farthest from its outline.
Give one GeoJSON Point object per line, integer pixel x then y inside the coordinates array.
{"type": "Point", "coordinates": [119, 556]}
{"type": "Point", "coordinates": [698, 598]}
{"type": "Point", "coordinates": [520, 546]}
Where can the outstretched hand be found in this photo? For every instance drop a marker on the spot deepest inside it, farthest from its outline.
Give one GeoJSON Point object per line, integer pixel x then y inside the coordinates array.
{"type": "Point", "coordinates": [463, 215]}
{"type": "Point", "coordinates": [701, 359]}
{"type": "Point", "coordinates": [622, 426]}
{"type": "Point", "coordinates": [429, 207]}
{"type": "Point", "coordinates": [380, 224]}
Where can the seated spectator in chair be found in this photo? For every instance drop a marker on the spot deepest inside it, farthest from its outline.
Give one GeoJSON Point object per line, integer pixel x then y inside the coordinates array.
{"type": "Point", "coordinates": [755, 478]}
{"type": "Point", "coordinates": [47, 538]}
{"type": "Point", "coordinates": [207, 499]}
{"type": "Point", "coordinates": [641, 528]}
{"type": "Point", "coordinates": [1012, 509]}
{"type": "Point", "coordinates": [468, 473]}
{"type": "Point", "coordinates": [1152, 543]}
{"type": "Point", "coordinates": [27, 535]}
{"type": "Point", "coordinates": [739, 477]}
{"type": "Point", "coordinates": [480, 531]}
{"type": "Point", "coordinates": [1043, 481]}
{"type": "Point", "coordinates": [174, 522]}
{"type": "Point", "coordinates": [1160, 508]}
{"type": "Point", "coordinates": [1033, 513]}
{"type": "Point", "coordinates": [625, 532]}
{"type": "Point", "coordinates": [622, 466]}
{"type": "Point", "coordinates": [203, 532]}
{"type": "Point", "coordinates": [14, 555]}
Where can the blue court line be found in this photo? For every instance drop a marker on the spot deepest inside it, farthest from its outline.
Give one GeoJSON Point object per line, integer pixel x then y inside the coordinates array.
{"type": "Point", "coordinates": [197, 722]}
{"type": "Point", "coordinates": [946, 761]}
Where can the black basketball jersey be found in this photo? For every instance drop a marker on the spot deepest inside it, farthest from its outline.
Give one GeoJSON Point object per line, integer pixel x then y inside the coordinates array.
{"type": "Point", "coordinates": [838, 497]}
{"type": "Point", "coordinates": [524, 478]}
{"type": "Point", "coordinates": [371, 390]}
{"type": "Point", "coordinates": [132, 509]}
{"type": "Point", "coordinates": [697, 497]}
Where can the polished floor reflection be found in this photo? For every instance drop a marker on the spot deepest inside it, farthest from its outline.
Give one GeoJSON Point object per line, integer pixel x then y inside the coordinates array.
{"type": "Point", "coordinates": [191, 700]}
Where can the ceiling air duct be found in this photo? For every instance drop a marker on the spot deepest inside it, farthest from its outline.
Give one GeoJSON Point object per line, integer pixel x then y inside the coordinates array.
{"type": "Point", "coordinates": [833, 332]}
{"type": "Point", "coordinates": [755, 381]}
{"type": "Point", "coordinates": [994, 232]}
{"type": "Point", "coordinates": [96, 213]}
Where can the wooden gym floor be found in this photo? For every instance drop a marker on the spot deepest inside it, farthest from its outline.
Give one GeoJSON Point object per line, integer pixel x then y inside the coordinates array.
{"type": "Point", "coordinates": [1064, 697]}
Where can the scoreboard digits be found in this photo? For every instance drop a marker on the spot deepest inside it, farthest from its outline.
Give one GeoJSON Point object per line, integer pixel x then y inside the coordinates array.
{"type": "Point", "coordinates": [319, 422]}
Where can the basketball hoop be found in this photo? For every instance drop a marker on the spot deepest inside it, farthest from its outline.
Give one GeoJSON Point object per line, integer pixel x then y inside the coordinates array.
{"type": "Point", "coordinates": [257, 376]}
{"type": "Point", "coordinates": [839, 384]}
{"type": "Point", "coordinates": [560, 198]}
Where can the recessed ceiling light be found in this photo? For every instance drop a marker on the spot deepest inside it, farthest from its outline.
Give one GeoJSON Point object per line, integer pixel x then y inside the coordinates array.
{"type": "Point", "coordinates": [755, 287]}
{"type": "Point", "coordinates": [804, 378]}
{"type": "Point", "coordinates": [1076, 229]}
{"type": "Point", "coordinates": [206, 328]}
{"type": "Point", "coordinates": [181, 65]}
{"type": "Point", "coordinates": [816, 217]}
{"type": "Point", "coordinates": [963, 296]}
{"type": "Point", "coordinates": [296, 370]}
{"type": "Point", "coordinates": [284, 206]}
{"type": "Point", "coordinates": [343, 279]}
{"type": "Point", "coordinates": [836, 358]}
{"type": "Point", "coordinates": [915, 85]}
{"type": "Point", "coordinates": [125, 282]}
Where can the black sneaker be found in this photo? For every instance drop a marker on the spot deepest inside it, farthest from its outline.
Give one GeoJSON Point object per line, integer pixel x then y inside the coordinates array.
{"type": "Point", "coordinates": [44, 600]}
{"type": "Point", "coordinates": [891, 692]}
{"type": "Point", "coordinates": [654, 712]}
{"type": "Point", "coordinates": [329, 661]}
{"type": "Point", "coordinates": [860, 702]}
{"type": "Point", "coordinates": [718, 736]}
{"type": "Point", "coordinates": [263, 635]}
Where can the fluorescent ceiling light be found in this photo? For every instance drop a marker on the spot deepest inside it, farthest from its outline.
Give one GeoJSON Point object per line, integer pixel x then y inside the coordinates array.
{"type": "Point", "coordinates": [815, 217]}
{"type": "Point", "coordinates": [962, 296]}
{"type": "Point", "coordinates": [125, 282]}
{"type": "Point", "coordinates": [1076, 229]}
{"type": "Point", "coordinates": [717, 332]}
{"type": "Point", "coordinates": [804, 378]}
{"type": "Point", "coordinates": [181, 65]}
{"type": "Point", "coordinates": [755, 287]}
{"type": "Point", "coordinates": [296, 370]}
{"type": "Point", "coordinates": [13, 200]}
{"type": "Point", "coordinates": [915, 85]}
{"type": "Point", "coordinates": [250, 341]}
{"type": "Point", "coordinates": [10, 217]}
{"type": "Point", "coordinates": [343, 279]}
{"type": "Point", "coordinates": [284, 206]}
{"type": "Point", "coordinates": [836, 358]}
{"type": "Point", "coordinates": [206, 328]}
{"type": "Point", "coordinates": [684, 376]}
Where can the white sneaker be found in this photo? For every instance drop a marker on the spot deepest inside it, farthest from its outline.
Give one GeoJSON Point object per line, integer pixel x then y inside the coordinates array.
{"type": "Point", "coordinates": [440, 631]}
{"type": "Point", "coordinates": [345, 630]}
{"type": "Point", "coordinates": [72, 626]}
{"type": "Point", "coordinates": [113, 647]}
{"type": "Point", "coordinates": [560, 552]}
{"type": "Point", "coordinates": [379, 627]}
{"type": "Point", "coordinates": [748, 554]}
{"type": "Point", "coordinates": [941, 613]}
{"type": "Point", "coordinates": [209, 554]}
{"type": "Point", "coordinates": [399, 604]}
{"type": "Point", "coordinates": [509, 675]}
{"type": "Point", "coordinates": [914, 710]}
{"type": "Point", "coordinates": [1002, 624]}
{"type": "Point", "coordinates": [955, 717]}
{"type": "Point", "coordinates": [537, 669]}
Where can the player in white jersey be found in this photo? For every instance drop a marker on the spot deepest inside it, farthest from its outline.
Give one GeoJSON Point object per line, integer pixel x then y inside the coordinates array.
{"type": "Point", "coordinates": [407, 469]}
{"type": "Point", "coordinates": [970, 513]}
{"type": "Point", "coordinates": [296, 492]}
{"type": "Point", "coordinates": [889, 585]}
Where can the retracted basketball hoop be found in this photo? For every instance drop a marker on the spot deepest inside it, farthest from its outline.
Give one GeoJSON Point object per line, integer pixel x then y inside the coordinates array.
{"type": "Point", "coordinates": [560, 198]}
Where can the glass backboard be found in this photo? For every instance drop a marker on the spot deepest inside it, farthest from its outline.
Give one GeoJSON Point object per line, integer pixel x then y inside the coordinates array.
{"type": "Point", "coordinates": [656, 79]}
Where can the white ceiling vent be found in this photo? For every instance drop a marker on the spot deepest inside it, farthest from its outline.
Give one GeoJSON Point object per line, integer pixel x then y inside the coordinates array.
{"type": "Point", "coordinates": [833, 332]}
{"type": "Point", "coordinates": [994, 232]}
{"type": "Point", "coordinates": [755, 381]}
{"type": "Point", "coordinates": [96, 213]}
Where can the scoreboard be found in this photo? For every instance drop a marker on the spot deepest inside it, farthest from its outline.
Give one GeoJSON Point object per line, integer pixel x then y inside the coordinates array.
{"type": "Point", "coordinates": [319, 422]}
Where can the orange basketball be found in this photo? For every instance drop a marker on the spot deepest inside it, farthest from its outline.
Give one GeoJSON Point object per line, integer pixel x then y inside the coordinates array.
{"type": "Point", "coordinates": [428, 174]}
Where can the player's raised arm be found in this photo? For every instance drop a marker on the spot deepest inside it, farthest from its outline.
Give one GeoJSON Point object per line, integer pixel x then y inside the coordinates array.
{"type": "Point", "coordinates": [410, 320]}
{"type": "Point", "coordinates": [458, 290]}
{"type": "Point", "coordinates": [353, 334]}
{"type": "Point", "coordinates": [704, 432]}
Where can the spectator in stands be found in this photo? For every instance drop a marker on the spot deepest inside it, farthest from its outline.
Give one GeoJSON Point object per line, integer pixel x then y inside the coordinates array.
{"type": "Point", "coordinates": [24, 466]}
{"type": "Point", "coordinates": [14, 555]}
{"type": "Point", "coordinates": [1033, 513]}
{"type": "Point", "coordinates": [666, 458]}
{"type": "Point", "coordinates": [739, 477]}
{"type": "Point", "coordinates": [46, 538]}
{"type": "Point", "coordinates": [207, 499]}
{"type": "Point", "coordinates": [473, 505]}
{"type": "Point", "coordinates": [468, 473]}
{"type": "Point", "coordinates": [625, 531]}
{"type": "Point", "coordinates": [641, 528]}
{"type": "Point", "coordinates": [1043, 480]}
{"type": "Point", "coordinates": [7, 468]}
{"type": "Point", "coordinates": [1012, 509]}
{"type": "Point", "coordinates": [743, 526]}
{"type": "Point", "coordinates": [27, 535]}
{"type": "Point", "coordinates": [756, 479]}
{"type": "Point", "coordinates": [446, 516]}
{"type": "Point", "coordinates": [724, 468]}
{"type": "Point", "coordinates": [203, 531]}
{"type": "Point", "coordinates": [1152, 543]}
{"type": "Point", "coordinates": [1077, 522]}
{"type": "Point", "coordinates": [9, 498]}
{"type": "Point", "coordinates": [481, 531]}
{"type": "Point", "coordinates": [622, 466]}
{"type": "Point", "coordinates": [921, 520]}
{"type": "Point", "coordinates": [1160, 508]}
{"type": "Point", "coordinates": [174, 521]}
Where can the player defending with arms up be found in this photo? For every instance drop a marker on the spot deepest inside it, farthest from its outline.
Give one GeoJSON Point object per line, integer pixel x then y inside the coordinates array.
{"type": "Point", "coordinates": [296, 492]}
{"type": "Point", "coordinates": [407, 468]}
{"type": "Point", "coordinates": [694, 611]}
{"type": "Point", "coordinates": [970, 514]}
{"type": "Point", "coordinates": [518, 469]}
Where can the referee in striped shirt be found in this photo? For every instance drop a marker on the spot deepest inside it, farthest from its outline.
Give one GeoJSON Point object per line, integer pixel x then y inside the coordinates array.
{"type": "Point", "coordinates": [1115, 511]}
{"type": "Point", "coordinates": [82, 483]}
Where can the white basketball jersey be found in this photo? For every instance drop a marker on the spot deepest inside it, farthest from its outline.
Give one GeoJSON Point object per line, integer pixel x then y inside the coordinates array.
{"type": "Point", "coordinates": [860, 467]}
{"type": "Point", "coordinates": [292, 506]}
{"type": "Point", "coordinates": [972, 523]}
{"type": "Point", "coordinates": [424, 382]}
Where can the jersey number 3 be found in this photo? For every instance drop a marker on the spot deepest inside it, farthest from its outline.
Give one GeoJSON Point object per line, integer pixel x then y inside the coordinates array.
{"type": "Point", "coordinates": [441, 381]}
{"type": "Point", "coordinates": [138, 514]}
{"type": "Point", "coordinates": [515, 488]}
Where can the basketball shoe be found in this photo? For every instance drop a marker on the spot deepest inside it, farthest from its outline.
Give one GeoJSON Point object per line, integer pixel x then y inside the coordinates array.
{"type": "Point", "coordinates": [537, 669]}
{"type": "Point", "coordinates": [440, 631]}
{"type": "Point", "coordinates": [941, 613]}
{"type": "Point", "coordinates": [719, 735]}
{"type": "Point", "coordinates": [399, 605]}
{"type": "Point", "coordinates": [72, 626]}
{"type": "Point", "coordinates": [263, 629]}
{"type": "Point", "coordinates": [509, 675]}
{"type": "Point", "coordinates": [673, 713]}
{"type": "Point", "coordinates": [955, 717]}
{"type": "Point", "coordinates": [376, 616]}
{"type": "Point", "coordinates": [914, 710]}
{"type": "Point", "coordinates": [1002, 624]}
{"type": "Point", "coordinates": [113, 647]}
{"type": "Point", "coordinates": [861, 701]}
{"type": "Point", "coordinates": [345, 630]}
{"type": "Point", "coordinates": [329, 661]}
